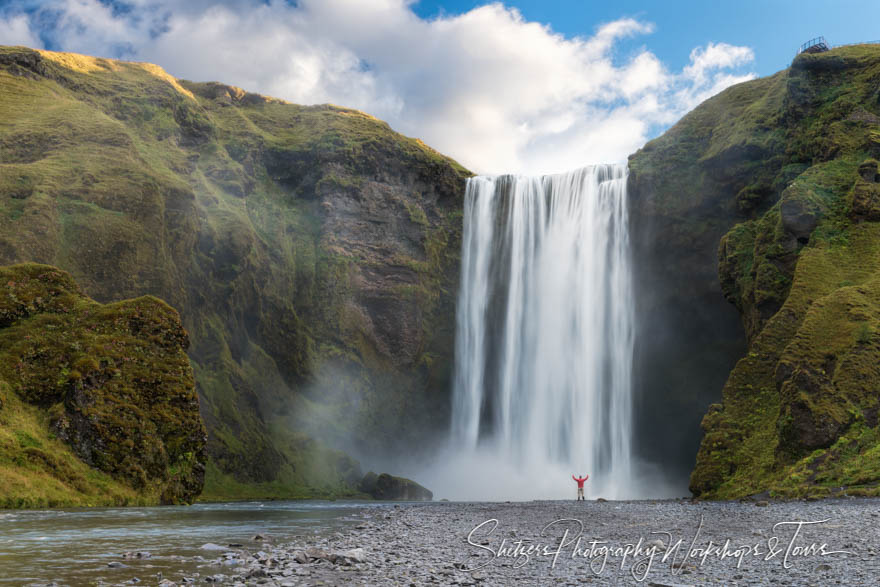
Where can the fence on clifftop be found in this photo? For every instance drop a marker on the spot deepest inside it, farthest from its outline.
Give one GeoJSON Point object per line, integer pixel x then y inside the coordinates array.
{"type": "Point", "coordinates": [819, 45]}
{"type": "Point", "coordinates": [816, 45]}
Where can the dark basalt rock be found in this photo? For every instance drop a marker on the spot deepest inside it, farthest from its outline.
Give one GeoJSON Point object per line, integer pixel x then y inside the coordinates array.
{"type": "Point", "coordinates": [799, 211]}
{"type": "Point", "coordinates": [387, 487]}
{"type": "Point", "coordinates": [807, 421]}
{"type": "Point", "coordinates": [23, 62]}
{"type": "Point", "coordinates": [868, 171]}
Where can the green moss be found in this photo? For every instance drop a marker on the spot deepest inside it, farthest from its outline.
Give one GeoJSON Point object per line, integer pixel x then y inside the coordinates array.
{"type": "Point", "coordinates": [416, 213]}
{"type": "Point", "coordinates": [110, 381]}
{"type": "Point", "coordinates": [806, 384]}
{"type": "Point", "coordinates": [864, 333]}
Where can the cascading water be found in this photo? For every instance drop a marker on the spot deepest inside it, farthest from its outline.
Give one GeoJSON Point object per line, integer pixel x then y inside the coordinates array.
{"type": "Point", "coordinates": [544, 343]}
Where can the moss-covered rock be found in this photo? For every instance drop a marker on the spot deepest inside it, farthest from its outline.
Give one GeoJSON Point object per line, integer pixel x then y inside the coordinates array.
{"type": "Point", "coordinates": [311, 251]}
{"type": "Point", "coordinates": [113, 382]}
{"type": "Point", "coordinates": [865, 200]}
{"type": "Point", "coordinates": [799, 260]}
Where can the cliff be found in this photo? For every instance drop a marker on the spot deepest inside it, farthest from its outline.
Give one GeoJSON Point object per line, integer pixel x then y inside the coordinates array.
{"type": "Point", "coordinates": [774, 184]}
{"type": "Point", "coordinates": [311, 252]}
{"type": "Point", "coordinates": [97, 402]}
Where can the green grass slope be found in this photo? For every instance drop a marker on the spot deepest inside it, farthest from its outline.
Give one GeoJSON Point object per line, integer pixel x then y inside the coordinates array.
{"type": "Point", "coordinates": [311, 251]}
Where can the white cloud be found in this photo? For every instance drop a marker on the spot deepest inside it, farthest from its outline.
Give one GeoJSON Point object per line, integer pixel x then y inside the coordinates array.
{"type": "Point", "coordinates": [716, 56]}
{"type": "Point", "coordinates": [489, 88]}
{"type": "Point", "coordinates": [706, 74]}
{"type": "Point", "coordinates": [16, 30]}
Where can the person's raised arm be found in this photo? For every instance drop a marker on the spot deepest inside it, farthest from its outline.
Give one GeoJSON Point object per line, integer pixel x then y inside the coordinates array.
{"type": "Point", "coordinates": [573, 477]}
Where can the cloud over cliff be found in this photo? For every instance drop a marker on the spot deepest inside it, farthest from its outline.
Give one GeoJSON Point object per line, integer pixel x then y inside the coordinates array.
{"type": "Point", "coordinates": [495, 91]}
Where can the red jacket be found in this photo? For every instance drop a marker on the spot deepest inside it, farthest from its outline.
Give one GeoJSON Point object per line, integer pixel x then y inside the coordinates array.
{"type": "Point", "coordinates": [580, 481]}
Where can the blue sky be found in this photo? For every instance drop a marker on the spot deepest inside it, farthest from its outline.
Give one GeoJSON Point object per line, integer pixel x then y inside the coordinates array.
{"type": "Point", "coordinates": [514, 86]}
{"type": "Point", "coordinates": [773, 28]}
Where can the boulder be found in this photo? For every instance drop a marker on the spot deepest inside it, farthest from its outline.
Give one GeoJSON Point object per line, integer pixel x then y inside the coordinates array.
{"type": "Point", "coordinates": [868, 171]}
{"type": "Point", "coordinates": [800, 211]}
{"type": "Point", "coordinates": [388, 487]}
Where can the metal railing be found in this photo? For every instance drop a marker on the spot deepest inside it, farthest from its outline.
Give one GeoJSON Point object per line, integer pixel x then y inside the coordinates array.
{"type": "Point", "coordinates": [819, 44]}
{"type": "Point", "coordinates": [814, 45]}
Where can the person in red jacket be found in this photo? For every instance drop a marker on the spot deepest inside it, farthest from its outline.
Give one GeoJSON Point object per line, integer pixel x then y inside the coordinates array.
{"type": "Point", "coordinates": [580, 482]}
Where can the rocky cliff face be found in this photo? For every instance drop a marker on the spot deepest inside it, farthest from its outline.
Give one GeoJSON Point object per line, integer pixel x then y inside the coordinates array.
{"type": "Point", "coordinates": [311, 251]}
{"type": "Point", "coordinates": [110, 384]}
{"type": "Point", "coordinates": [778, 176]}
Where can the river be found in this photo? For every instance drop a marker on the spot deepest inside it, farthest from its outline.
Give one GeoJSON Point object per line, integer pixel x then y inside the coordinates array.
{"type": "Point", "coordinates": [76, 546]}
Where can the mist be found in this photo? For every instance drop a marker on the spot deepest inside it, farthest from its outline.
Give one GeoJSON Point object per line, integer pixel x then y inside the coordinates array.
{"type": "Point", "coordinates": [481, 476]}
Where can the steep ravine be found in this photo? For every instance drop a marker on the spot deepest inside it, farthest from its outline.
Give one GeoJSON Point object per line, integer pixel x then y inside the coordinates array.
{"type": "Point", "coordinates": [312, 253]}
{"type": "Point", "coordinates": [773, 184]}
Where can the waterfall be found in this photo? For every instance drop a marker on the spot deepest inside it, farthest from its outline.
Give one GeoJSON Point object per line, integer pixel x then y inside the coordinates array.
{"type": "Point", "coordinates": [544, 339]}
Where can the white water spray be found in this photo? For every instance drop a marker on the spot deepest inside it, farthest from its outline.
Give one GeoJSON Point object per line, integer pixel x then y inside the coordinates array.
{"type": "Point", "coordinates": [544, 348]}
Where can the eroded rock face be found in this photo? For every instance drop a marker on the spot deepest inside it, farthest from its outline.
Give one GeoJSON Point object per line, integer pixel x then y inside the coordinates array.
{"type": "Point", "coordinates": [115, 379]}
{"type": "Point", "coordinates": [808, 419]}
{"type": "Point", "coordinates": [800, 210]}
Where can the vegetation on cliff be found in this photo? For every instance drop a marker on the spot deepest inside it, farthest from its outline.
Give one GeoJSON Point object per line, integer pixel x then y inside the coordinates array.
{"type": "Point", "coordinates": [311, 251]}
{"type": "Point", "coordinates": [787, 165]}
{"type": "Point", "coordinates": [97, 402]}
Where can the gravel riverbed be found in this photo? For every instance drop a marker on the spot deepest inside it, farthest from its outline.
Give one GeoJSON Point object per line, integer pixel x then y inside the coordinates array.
{"type": "Point", "coordinates": [831, 542]}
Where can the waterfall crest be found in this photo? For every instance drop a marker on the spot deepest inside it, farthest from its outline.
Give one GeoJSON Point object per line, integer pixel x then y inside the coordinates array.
{"type": "Point", "coordinates": [544, 336]}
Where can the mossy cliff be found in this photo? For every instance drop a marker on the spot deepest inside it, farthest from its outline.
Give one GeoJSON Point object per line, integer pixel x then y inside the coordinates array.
{"type": "Point", "coordinates": [97, 402]}
{"type": "Point", "coordinates": [311, 252]}
{"type": "Point", "coordinates": [778, 178]}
